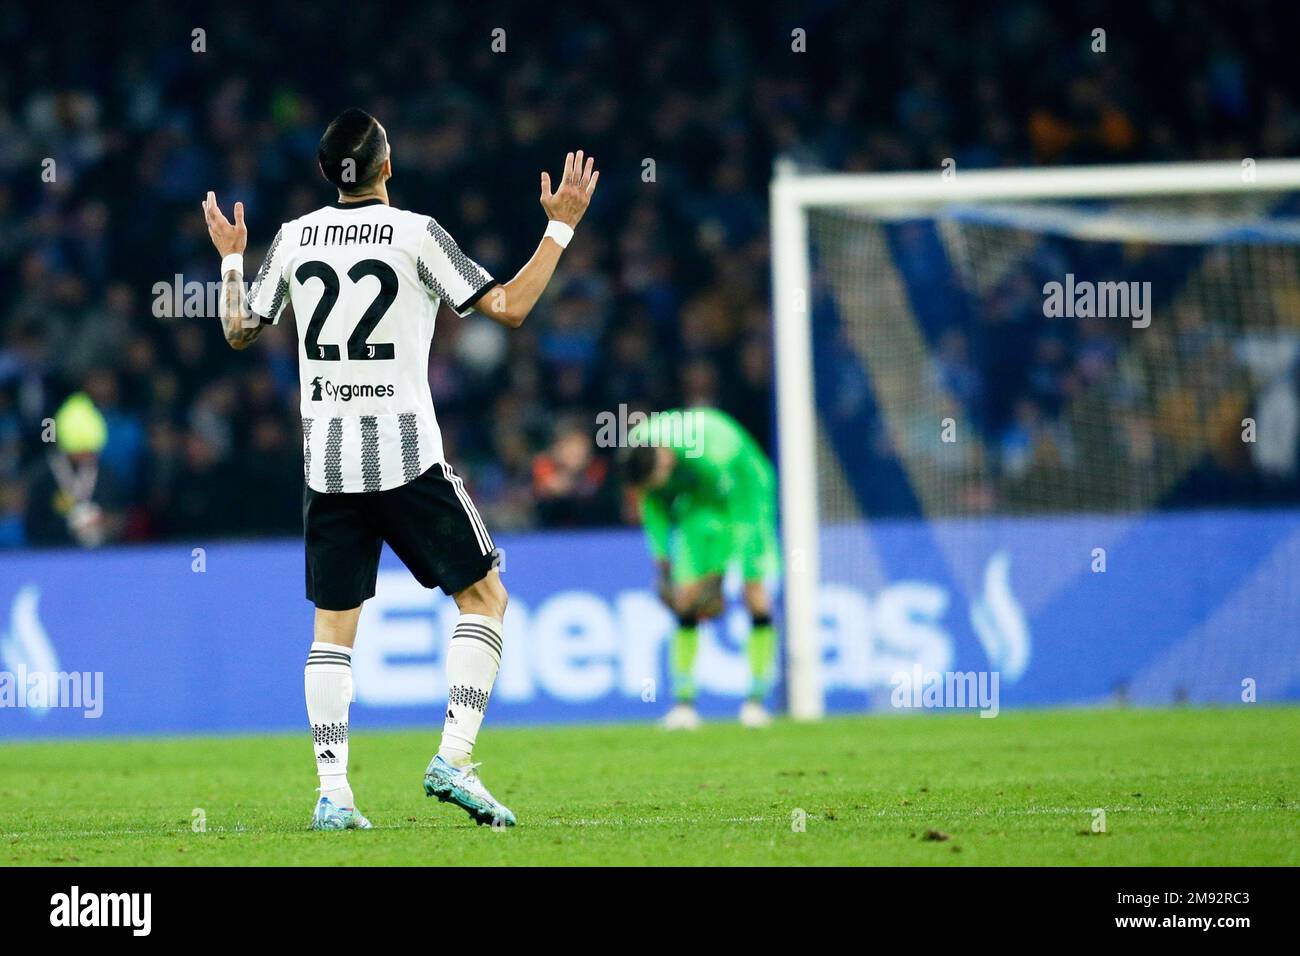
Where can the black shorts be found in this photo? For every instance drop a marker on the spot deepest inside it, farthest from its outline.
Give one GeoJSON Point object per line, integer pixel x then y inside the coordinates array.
{"type": "Point", "coordinates": [430, 523]}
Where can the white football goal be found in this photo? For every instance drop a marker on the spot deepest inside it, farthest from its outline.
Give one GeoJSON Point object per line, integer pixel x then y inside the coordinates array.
{"type": "Point", "coordinates": [873, 277]}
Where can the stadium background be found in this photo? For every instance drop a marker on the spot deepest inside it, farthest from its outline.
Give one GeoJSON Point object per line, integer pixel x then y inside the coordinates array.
{"type": "Point", "coordinates": [663, 301]}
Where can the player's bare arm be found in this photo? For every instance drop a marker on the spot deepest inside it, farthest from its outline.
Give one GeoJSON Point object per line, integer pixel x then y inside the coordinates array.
{"type": "Point", "coordinates": [509, 303]}
{"type": "Point", "coordinates": [241, 327]}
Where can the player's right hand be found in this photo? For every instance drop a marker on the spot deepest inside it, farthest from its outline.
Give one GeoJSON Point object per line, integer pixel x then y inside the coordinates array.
{"type": "Point", "coordinates": [568, 203]}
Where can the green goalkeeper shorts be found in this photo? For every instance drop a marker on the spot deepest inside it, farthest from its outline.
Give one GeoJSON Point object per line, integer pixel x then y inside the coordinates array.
{"type": "Point", "coordinates": [707, 542]}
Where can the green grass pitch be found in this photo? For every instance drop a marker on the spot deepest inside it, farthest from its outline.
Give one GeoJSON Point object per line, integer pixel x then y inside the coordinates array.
{"type": "Point", "coordinates": [1187, 786]}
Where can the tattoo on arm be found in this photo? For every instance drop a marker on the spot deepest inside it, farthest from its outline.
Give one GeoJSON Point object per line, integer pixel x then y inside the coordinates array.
{"type": "Point", "coordinates": [241, 326]}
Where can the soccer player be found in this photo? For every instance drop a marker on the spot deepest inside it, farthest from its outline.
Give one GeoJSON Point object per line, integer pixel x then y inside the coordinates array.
{"type": "Point", "coordinates": [365, 281]}
{"type": "Point", "coordinates": [707, 496]}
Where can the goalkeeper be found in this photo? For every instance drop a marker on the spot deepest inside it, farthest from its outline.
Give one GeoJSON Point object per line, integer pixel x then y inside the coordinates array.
{"type": "Point", "coordinates": [707, 496]}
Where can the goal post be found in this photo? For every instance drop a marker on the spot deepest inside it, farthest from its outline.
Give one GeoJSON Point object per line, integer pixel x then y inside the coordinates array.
{"type": "Point", "coordinates": [795, 197]}
{"type": "Point", "coordinates": [796, 430]}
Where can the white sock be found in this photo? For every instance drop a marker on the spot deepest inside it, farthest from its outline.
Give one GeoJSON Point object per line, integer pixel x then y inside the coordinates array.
{"type": "Point", "coordinates": [472, 662]}
{"type": "Point", "coordinates": [327, 681]}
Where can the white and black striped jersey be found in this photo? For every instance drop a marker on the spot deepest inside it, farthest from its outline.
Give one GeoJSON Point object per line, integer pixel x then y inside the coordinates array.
{"type": "Point", "coordinates": [365, 281]}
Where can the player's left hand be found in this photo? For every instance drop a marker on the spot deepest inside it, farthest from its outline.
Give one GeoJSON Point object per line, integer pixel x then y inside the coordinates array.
{"type": "Point", "coordinates": [228, 237]}
{"type": "Point", "coordinates": [568, 203]}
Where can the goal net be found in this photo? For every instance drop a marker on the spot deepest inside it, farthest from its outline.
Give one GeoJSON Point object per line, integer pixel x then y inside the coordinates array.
{"type": "Point", "coordinates": [990, 386]}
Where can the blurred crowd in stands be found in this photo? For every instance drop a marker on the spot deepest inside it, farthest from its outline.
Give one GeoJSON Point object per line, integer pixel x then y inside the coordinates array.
{"type": "Point", "coordinates": [115, 120]}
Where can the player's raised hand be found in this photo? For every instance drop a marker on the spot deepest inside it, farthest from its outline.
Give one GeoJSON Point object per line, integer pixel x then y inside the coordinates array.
{"type": "Point", "coordinates": [570, 201]}
{"type": "Point", "coordinates": [228, 237]}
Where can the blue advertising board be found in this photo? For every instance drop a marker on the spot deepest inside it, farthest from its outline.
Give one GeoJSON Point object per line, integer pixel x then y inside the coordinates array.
{"type": "Point", "coordinates": [1151, 609]}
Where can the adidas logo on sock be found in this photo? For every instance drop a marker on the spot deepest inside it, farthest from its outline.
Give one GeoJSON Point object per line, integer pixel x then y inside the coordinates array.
{"type": "Point", "coordinates": [327, 757]}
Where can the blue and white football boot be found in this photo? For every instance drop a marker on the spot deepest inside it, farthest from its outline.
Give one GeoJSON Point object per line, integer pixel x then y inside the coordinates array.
{"type": "Point", "coordinates": [329, 817]}
{"type": "Point", "coordinates": [461, 786]}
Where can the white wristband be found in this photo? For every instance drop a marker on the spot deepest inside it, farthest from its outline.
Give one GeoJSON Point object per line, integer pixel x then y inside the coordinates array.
{"type": "Point", "coordinates": [233, 261]}
{"type": "Point", "coordinates": [560, 232]}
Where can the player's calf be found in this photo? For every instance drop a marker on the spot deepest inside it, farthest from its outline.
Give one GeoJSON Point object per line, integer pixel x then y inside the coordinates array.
{"type": "Point", "coordinates": [486, 596]}
{"type": "Point", "coordinates": [327, 683]}
{"type": "Point", "coordinates": [473, 659]}
{"type": "Point", "coordinates": [681, 661]}
{"type": "Point", "coordinates": [761, 651]}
